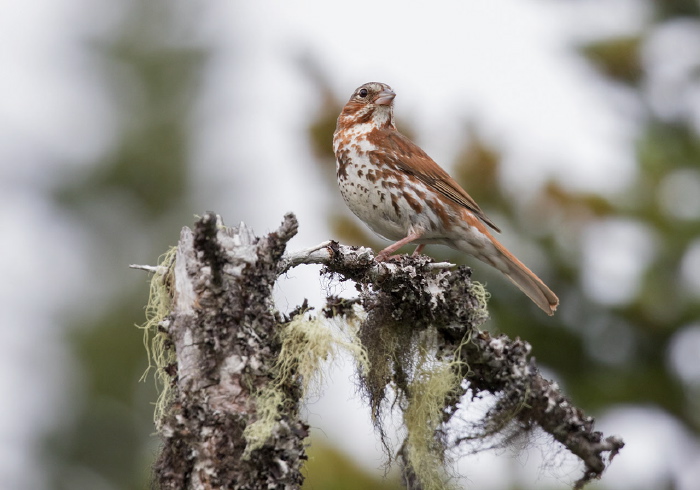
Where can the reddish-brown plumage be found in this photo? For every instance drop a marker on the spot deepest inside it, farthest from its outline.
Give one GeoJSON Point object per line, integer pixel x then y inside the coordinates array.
{"type": "Point", "coordinates": [403, 195]}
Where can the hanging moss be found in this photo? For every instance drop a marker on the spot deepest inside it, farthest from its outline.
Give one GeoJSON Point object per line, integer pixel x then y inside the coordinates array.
{"type": "Point", "coordinates": [159, 347]}
{"type": "Point", "coordinates": [308, 342]}
{"type": "Point", "coordinates": [423, 417]}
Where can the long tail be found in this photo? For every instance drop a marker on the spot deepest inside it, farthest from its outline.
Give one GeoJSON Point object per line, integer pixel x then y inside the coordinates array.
{"type": "Point", "coordinates": [526, 280]}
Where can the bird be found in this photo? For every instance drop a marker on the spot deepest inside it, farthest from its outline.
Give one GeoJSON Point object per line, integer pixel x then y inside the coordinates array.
{"type": "Point", "coordinates": [401, 194]}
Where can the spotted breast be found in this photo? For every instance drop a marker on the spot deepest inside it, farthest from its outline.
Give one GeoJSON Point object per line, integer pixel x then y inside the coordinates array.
{"type": "Point", "coordinates": [375, 189]}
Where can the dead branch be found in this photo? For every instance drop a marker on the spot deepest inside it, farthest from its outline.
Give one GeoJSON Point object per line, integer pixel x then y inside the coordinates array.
{"type": "Point", "coordinates": [223, 333]}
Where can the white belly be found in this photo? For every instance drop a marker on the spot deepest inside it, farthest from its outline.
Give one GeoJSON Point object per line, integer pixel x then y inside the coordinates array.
{"type": "Point", "coordinates": [390, 203]}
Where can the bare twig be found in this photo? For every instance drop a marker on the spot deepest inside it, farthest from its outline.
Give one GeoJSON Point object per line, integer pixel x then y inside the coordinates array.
{"type": "Point", "coordinates": [344, 257]}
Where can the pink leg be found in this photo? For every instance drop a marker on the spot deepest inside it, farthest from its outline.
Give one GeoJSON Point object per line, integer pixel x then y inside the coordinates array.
{"type": "Point", "coordinates": [386, 253]}
{"type": "Point", "coordinates": [418, 249]}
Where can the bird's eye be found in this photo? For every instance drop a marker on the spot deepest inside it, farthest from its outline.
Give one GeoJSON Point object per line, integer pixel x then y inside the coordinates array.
{"type": "Point", "coordinates": [363, 93]}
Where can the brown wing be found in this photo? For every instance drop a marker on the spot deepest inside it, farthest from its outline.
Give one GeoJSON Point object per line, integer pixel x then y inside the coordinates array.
{"type": "Point", "coordinates": [408, 157]}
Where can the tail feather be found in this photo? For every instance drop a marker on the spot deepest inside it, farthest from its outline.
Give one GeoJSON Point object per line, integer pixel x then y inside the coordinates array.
{"type": "Point", "coordinates": [527, 281]}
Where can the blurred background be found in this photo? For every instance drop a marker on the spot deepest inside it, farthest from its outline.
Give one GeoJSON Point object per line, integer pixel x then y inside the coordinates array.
{"type": "Point", "coordinates": [574, 123]}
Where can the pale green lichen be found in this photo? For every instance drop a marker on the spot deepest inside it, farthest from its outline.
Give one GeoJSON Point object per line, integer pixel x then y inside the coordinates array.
{"type": "Point", "coordinates": [410, 363]}
{"type": "Point", "coordinates": [159, 348]}
{"type": "Point", "coordinates": [307, 343]}
{"type": "Point", "coordinates": [423, 417]}
{"type": "Point", "coordinates": [433, 383]}
{"type": "Point", "coordinates": [482, 296]}
{"type": "Point", "coordinates": [269, 402]}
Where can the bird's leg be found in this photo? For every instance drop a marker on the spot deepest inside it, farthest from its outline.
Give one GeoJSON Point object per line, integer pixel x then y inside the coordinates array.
{"type": "Point", "coordinates": [386, 253]}
{"type": "Point", "coordinates": [418, 249]}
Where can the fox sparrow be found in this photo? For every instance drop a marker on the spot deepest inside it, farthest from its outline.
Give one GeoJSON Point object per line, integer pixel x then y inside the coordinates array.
{"type": "Point", "coordinates": [403, 195]}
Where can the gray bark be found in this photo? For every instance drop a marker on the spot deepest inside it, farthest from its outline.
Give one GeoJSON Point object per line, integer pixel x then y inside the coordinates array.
{"type": "Point", "coordinates": [223, 324]}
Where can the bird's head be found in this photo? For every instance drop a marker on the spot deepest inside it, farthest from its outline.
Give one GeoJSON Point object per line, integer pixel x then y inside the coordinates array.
{"type": "Point", "coordinates": [371, 102]}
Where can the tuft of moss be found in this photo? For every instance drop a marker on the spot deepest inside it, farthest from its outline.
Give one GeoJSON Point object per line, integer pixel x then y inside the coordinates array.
{"type": "Point", "coordinates": [413, 369]}
{"type": "Point", "coordinates": [431, 386]}
{"type": "Point", "coordinates": [307, 342]}
{"type": "Point", "coordinates": [390, 347]}
{"type": "Point", "coordinates": [269, 403]}
{"type": "Point", "coordinates": [159, 348]}
{"type": "Point", "coordinates": [482, 296]}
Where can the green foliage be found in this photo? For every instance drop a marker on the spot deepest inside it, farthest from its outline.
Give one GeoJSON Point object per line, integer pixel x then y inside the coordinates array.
{"type": "Point", "coordinates": [131, 204]}
{"type": "Point", "coordinates": [477, 167]}
{"type": "Point", "coordinates": [670, 9]}
{"type": "Point", "coordinates": [148, 165]}
{"type": "Point", "coordinates": [617, 58]}
{"type": "Point", "coordinates": [330, 469]}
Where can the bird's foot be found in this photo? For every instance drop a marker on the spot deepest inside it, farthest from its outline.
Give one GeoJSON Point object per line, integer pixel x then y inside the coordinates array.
{"type": "Point", "coordinates": [381, 257]}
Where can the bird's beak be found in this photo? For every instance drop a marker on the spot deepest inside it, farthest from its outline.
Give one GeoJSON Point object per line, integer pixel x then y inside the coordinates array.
{"type": "Point", "coordinates": [385, 97]}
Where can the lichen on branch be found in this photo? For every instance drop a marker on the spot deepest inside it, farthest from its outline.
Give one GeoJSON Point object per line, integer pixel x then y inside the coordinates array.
{"type": "Point", "coordinates": [237, 370]}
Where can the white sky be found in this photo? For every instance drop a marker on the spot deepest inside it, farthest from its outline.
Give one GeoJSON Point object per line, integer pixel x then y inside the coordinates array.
{"type": "Point", "coordinates": [507, 64]}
